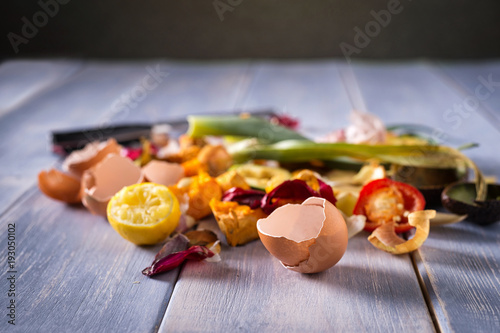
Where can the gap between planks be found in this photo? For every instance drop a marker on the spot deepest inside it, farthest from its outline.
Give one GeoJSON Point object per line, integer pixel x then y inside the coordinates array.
{"type": "Point", "coordinates": [242, 90]}
{"type": "Point", "coordinates": [425, 286]}
{"type": "Point", "coordinates": [353, 90]}
{"type": "Point", "coordinates": [174, 284]}
{"type": "Point", "coordinates": [31, 191]}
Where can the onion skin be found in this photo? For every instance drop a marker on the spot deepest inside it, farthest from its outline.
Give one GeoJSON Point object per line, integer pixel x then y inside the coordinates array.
{"type": "Point", "coordinates": [385, 238]}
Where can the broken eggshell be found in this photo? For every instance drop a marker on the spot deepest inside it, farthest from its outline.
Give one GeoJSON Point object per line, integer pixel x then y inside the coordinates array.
{"type": "Point", "coordinates": [80, 160]}
{"type": "Point", "coordinates": [105, 179]}
{"type": "Point", "coordinates": [59, 186]}
{"type": "Point", "coordinates": [306, 238]}
{"type": "Point", "coordinates": [163, 173]}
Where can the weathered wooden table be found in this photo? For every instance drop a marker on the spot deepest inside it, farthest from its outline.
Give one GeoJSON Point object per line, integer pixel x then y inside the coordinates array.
{"type": "Point", "coordinates": [72, 273]}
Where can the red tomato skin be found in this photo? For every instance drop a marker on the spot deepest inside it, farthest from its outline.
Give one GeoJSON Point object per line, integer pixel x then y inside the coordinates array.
{"type": "Point", "coordinates": [413, 201]}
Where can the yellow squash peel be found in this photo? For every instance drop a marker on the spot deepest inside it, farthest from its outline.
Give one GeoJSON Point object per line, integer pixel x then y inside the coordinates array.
{"type": "Point", "coordinates": [237, 222]}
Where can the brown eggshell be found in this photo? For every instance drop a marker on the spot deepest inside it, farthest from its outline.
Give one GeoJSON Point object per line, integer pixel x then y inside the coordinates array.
{"type": "Point", "coordinates": [59, 186]}
{"type": "Point", "coordinates": [80, 160]}
{"type": "Point", "coordinates": [163, 173]}
{"type": "Point", "coordinates": [105, 179]}
{"type": "Point", "coordinates": [306, 238]}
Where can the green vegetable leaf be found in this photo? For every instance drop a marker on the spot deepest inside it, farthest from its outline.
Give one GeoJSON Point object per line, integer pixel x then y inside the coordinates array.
{"type": "Point", "coordinates": [431, 156]}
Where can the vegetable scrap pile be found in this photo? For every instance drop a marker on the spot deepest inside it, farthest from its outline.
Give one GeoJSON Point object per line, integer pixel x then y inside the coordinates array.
{"type": "Point", "coordinates": [259, 178]}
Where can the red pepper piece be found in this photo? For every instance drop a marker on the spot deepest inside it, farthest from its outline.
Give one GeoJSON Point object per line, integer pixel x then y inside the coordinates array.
{"type": "Point", "coordinates": [385, 200]}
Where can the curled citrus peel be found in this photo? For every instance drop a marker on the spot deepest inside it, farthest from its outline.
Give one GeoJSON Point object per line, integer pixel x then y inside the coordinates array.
{"type": "Point", "coordinates": [385, 238]}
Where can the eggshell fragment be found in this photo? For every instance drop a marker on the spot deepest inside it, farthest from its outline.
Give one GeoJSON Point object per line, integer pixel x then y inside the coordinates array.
{"type": "Point", "coordinates": [163, 173]}
{"type": "Point", "coordinates": [80, 160]}
{"type": "Point", "coordinates": [105, 179]}
{"type": "Point", "coordinates": [306, 238]}
{"type": "Point", "coordinates": [59, 186]}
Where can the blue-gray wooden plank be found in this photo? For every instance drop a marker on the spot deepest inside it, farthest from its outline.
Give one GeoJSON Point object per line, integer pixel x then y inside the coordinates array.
{"type": "Point", "coordinates": [388, 275]}
{"type": "Point", "coordinates": [479, 83]}
{"type": "Point", "coordinates": [458, 263]}
{"type": "Point", "coordinates": [74, 273]}
{"type": "Point", "coordinates": [185, 88]}
{"type": "Point", "coordinates": [368, 290]}
{"type": "Point", "coordinates": [299, 89]}
{"type": "Point", "coordinates": [82, 99]}
{"type": "Point", "coordinates": [415, 93]}
{"type": "Point", "coordinates": [460, 266]}
{"type": "Point", "coordinates": [250, 291]}
{"type": "Point", "coordinates": [21, 80]}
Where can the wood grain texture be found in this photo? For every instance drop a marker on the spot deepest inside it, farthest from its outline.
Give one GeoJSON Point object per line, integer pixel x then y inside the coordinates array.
{"type": "Point", "coordinates": [458, 263]}
{"type": "Point", "coordinates": [104, 93]}
{"type": "Point", "coordinates": [368, 290]}
{"type": "Point", "coordinates": [80, 100]}
{"type": "Point", "coordinates": [311, 91]}
{"type": "Point", "coordinates": [191, 87]}
{"type": "Point", "coordinates": [250, 290]}
{"type": "Point", "coordinates": [70, 263]}
{"type": "Point", "coordinates": [478, 81]}
{"type": "Point", "coordinates": [21, 80]}
{"type": "Point", "coordinates": [415, 93]}
{"type": "Point", "coordinates": [460, 266]}
{"type": "Point", "coordinates": [75, 273]}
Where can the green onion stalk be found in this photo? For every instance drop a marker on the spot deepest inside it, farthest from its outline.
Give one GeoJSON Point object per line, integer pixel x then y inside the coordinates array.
{"type": "Point", "coordinates": [274, 142]}
{"type": "Point", "coordinates": [255, 127]}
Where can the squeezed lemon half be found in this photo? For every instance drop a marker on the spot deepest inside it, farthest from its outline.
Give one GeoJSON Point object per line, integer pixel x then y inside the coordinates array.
{"type": "Point", "coordinates": [144, 213]}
